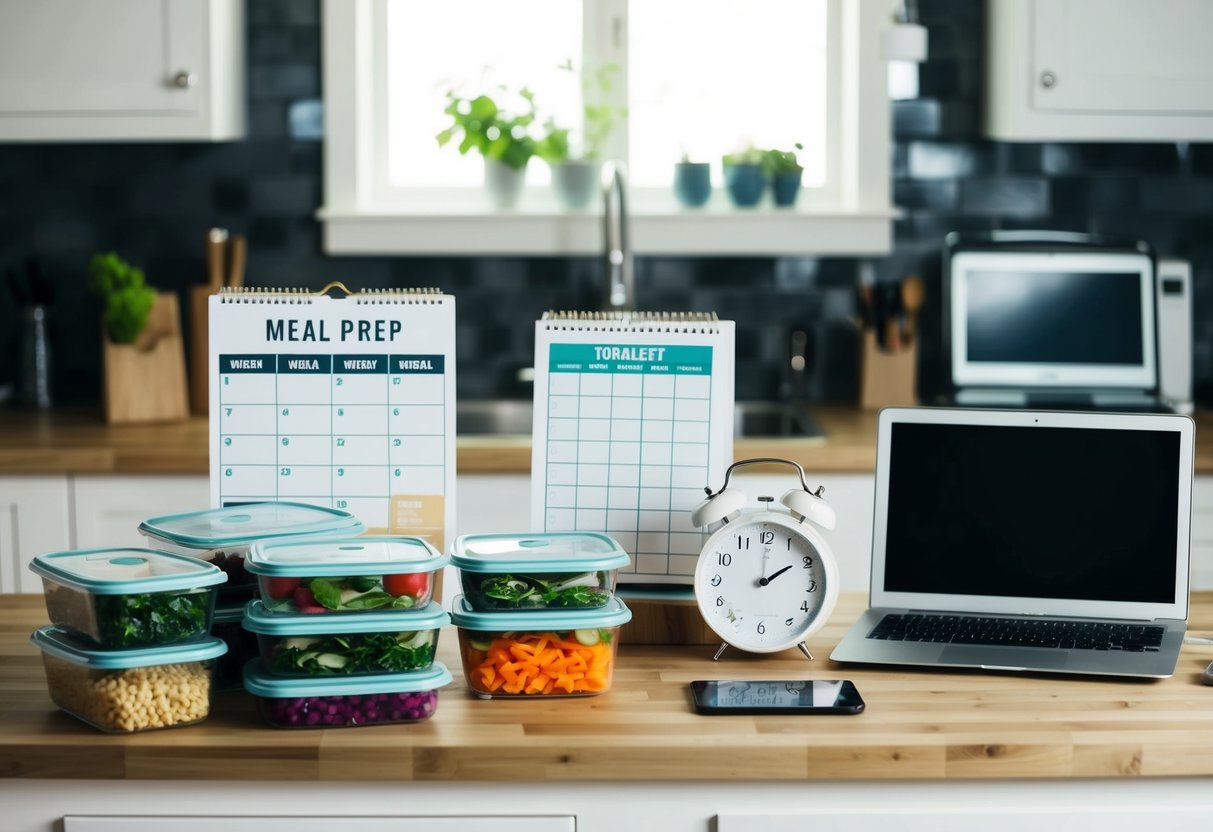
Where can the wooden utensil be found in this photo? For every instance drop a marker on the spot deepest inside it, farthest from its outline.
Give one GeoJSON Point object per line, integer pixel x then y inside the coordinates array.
{"type": "Point", "coordinates": [216, 240]}
{"type": "Point", "coordinates": [238, 246]}
{"type": "Point", "coordinates": [913, 295]}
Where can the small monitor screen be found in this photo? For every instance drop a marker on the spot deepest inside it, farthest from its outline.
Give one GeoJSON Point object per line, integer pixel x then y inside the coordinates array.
{"type": "Point", "coordinates": [1054, 317]}
{"type": "Point", "coordinates": [1034, 512]}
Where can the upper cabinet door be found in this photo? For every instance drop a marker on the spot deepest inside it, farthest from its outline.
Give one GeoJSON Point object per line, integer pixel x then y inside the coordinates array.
{"type": "Point", "coordinates": [1099, 70]}
{"type": "Point", "coordinates": [121, 70]}
{"type": "Point", "coordinates": [1123, 55]}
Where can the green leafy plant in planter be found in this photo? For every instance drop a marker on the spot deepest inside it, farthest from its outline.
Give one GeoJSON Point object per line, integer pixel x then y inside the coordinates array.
{"type": "Point", "coordinates": [502, 137]}
{"type": "Point", "coordinates": [785, 171]}
{"type": "Point", "coordinates": [128, 299]}
{"type": "Point", "coordinates": [575, 163]}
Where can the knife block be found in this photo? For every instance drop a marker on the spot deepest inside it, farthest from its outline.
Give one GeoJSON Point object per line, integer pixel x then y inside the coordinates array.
{"type": "Point", "coordinates": [145, 381]}
{"type": "Point", "coordinates": [886, 378]}
{"type": "Point", "coordinates": [199, 350]}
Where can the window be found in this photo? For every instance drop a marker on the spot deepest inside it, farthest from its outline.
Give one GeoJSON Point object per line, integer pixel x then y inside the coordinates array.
{"type": "Point", "coordinates": [697, 77]}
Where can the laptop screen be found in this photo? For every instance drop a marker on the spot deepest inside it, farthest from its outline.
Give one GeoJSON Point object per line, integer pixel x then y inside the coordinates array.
{"type": "Point", "coordinates": [1046, 512]}
{"type": "Point", "coordinates": [1072, 320]}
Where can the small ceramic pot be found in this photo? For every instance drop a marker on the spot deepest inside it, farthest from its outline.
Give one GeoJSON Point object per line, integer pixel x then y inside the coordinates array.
{"type": "Point", "coordinates": [503, 184]}
{"type": "Point", "coordinates": [576, 183]}
{"type": "Point", "coordinates": [693, 183]}
{"type": "Point", "coordinates": [785, 187]}
{"type": "Point", "coordinates": [745, 183]}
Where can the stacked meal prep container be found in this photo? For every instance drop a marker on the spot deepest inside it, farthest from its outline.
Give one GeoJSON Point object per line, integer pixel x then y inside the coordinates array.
{"type": "Point", "coordinates": [129, 645]}
{"type": "Point", "coordinates": [347, 629]}
{"type": "Point", "coordinates": [223, 538]}
{"type": "Point", "coordinates": [538, 615]}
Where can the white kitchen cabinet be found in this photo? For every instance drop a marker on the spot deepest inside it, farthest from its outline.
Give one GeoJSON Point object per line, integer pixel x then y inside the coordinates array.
{"type": "Point", "coordinates": [108, 509]}
{"type": "Point", "coordinates": [121, 70]}
{"type": "Point", "coordinates": [1099, 70]}
{"type": "Point", "coordinates": [35, 517]}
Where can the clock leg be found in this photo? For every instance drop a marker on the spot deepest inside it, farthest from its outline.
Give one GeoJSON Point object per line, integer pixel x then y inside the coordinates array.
{"type": "Point", "coordinates": [723, 646]}
{"type": "Point", "coordinates": [804, 648]}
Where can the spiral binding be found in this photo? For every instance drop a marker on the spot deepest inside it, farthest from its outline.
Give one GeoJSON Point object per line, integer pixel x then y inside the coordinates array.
{"type": "Point", "coordinates": [617, 321]}
{"type": "Point", "coordinates": [291, 295]}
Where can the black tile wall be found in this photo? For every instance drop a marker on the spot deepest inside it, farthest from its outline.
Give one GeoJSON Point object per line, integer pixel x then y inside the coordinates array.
{"type": "Point", "coordinates": [152, 203]}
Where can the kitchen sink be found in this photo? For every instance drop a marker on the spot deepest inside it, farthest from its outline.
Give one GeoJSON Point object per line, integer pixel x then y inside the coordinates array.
{"type": "Point", "coordinates": [482, 417]}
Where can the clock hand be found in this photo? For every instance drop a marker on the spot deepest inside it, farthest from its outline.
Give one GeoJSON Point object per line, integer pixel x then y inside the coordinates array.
{"type": "Point", "coordinates": [765, 581]}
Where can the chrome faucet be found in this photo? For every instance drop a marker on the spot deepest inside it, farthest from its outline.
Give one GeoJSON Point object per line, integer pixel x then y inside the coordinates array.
{"type": "Point", "coordinates": [620, 269]}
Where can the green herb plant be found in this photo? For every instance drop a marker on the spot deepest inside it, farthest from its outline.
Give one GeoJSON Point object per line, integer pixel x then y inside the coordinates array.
{"type": "Point", "coordinates": [128, 299]}
{"type": "Point", "coordinates": [480, 124]}
{"type": "Point", "coordinates": [151, 617]}
{"type": "Point", "coordinates": [749, 155]}
{"type": "Point", "coordinates": [598, 117]}
{"type": "Point", "coordinates": [782, 161]}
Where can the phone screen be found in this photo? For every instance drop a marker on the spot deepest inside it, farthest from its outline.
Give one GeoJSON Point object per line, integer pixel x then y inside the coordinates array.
{"type": "Point", "coordinates": [820, 696]}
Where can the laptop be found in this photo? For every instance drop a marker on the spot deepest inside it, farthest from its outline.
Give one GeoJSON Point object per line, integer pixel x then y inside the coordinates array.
{"type": "Point", "coordinates": [1052, 326]}
{"type": "Point", "coordinates": [1029, 541]}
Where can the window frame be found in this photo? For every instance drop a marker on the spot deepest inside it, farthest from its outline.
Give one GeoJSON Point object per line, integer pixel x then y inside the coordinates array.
{"type": "Point", "coordinates": [851, 215]}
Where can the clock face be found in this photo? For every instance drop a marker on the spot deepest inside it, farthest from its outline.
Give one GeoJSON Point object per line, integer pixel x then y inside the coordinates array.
{"type": "Point", "coordinates": [761, 584]}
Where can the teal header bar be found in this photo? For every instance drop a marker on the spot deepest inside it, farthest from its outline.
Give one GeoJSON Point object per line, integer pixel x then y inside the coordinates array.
{"type": "Point", "coordinates": [651, 359]}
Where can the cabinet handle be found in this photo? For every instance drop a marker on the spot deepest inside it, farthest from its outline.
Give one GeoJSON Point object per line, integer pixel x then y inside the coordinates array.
{"type": "Point", "coordinates": [1048, 80]}
{"type": "Point", "coordinates": [184, 79]}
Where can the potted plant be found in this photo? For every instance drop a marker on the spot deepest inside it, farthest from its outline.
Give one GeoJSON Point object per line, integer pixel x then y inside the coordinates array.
{"type": "Point", "coordinates": [141, 345]}
{"type": "Point", "coordinates": [502, 137]}
{"type": "Point", "coordinates": [575, 159]}
{"type": "Point", "coordinates": [785, 171]}
{"type": "Point", "coordinates": [744, 176]}
{"type": "Point", "coordinates": [692, 182]}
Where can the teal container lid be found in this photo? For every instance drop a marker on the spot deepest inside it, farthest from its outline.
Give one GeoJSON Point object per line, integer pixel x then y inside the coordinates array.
{"type": "Point", "coordinates": [325, 556]}
{"type": "Point", "coordinates": [543, 552]}
{"type": "Point", "coordinates": [260, 682]}
{"type": "Point", "coordinates": [126, 571]}
{"type": "Point", "coordinates": [244, 524]}
{"type": "Point", "coordinates": [258, 619]}
{"type": "Point", "coordinates": [228, 615]}
{"type": "Point", "coordinates": [614, 614]}
{"type": "Point", "coordinates": [55, 642]}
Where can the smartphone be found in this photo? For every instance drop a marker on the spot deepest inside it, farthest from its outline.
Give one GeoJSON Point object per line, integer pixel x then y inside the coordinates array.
{"type": "Point", "coordinates": [820, 696]}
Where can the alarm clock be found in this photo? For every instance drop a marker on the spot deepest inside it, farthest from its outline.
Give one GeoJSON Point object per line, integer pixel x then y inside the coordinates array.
{"type": "Point", "coordinates": [766, 580]}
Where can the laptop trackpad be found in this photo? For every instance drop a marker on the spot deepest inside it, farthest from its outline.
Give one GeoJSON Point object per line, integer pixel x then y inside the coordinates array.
{"type": "Point", "coordinates": [1010, 657]}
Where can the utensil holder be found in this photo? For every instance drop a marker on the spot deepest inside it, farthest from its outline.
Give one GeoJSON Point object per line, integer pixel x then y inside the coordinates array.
{"type": "Point", "coordinates": [199, 350]}
{"type": "Point", "coordinates": [145, 381]}
{"type": "Point", "coordinates": [886, 378]}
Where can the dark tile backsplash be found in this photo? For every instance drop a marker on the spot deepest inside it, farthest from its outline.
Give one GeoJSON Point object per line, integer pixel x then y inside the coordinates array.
{"type": "Point", "coordinates": [153, 202]}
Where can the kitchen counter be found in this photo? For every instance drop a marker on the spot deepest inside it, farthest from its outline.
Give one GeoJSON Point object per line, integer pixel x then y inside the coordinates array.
{"type": "Point", "coordinates": [78, 442]}
{"type": "Point", "coordinates": [918, 724]}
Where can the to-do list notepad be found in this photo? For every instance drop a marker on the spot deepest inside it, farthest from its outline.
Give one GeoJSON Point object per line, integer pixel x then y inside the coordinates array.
{"type": "Point", "coordinates": [633, 418]}
{"type": "Point", "coordinates": [346, 402]}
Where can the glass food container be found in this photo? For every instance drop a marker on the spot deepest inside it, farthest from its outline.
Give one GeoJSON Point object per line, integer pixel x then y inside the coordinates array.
{"type": "Point", "coordinates": [539, 653]}
{"type": "Point", "coordinates": [561, 570]}
{"type": "Point", "coordinates": [346, 644]}
{"type": "Point", "coordinates": [228, 624]}
{"type": "Point", "coordinates": [223, 536]}
{"type": "Point", "coordinates": [356, 574]}
{"type": "Point", "coordinates": [123, 598]}
{"type": "Point", "coordinates": [342, 701]}
{"type": "Point", "coordinates": [124, 691]}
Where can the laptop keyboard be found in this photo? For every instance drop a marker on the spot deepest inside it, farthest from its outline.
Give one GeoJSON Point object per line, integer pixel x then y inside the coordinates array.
{"type": "Point", "coordinates": [1019, 632]}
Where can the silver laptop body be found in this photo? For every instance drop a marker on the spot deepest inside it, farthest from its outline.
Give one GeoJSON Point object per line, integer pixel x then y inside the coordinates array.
{"type": "Point", "coordinates": [1082, 519]}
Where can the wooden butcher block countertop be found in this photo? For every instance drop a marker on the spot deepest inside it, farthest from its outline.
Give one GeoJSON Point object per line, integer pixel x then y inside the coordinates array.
{"type": "Point", "coordinates": [918, 724]}
{"type": "Point", "coordinates": [77, 441]}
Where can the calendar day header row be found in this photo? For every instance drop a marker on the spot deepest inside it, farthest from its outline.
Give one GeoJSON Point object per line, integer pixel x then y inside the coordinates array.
{"type": "Point", "coordinates": [330, 364]}
{"type": "Point", "coordinates": [661, 359]}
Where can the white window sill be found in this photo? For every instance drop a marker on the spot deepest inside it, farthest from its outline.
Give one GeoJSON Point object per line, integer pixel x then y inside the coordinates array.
{"type": "Point", "coordinates": [716, 229]}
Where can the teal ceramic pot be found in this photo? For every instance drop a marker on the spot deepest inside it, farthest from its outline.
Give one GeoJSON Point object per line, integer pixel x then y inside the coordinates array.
{"type": "Point", "coordinates": [576, 183]}
{"type": "Point", "coordinates": [745, 184]}
{"type": "Point", "coordinates": [785, 187]}
{"type": "Point", "coordinates": [693, 183]}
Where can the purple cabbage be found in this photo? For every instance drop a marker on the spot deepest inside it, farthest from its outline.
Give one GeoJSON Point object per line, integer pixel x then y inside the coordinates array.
{"type": "Point", "coordinates": [368, 709]}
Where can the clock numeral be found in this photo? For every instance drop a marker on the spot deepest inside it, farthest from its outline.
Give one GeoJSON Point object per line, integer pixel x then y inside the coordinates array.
{"type": "Point", "coordinates": [789, 544]}
{"type": "Point", "coordinates": [804, 606]}
{"type": "Point", "coordinates": [808, 562]}
{"type": "Point", "coordinates": [762, 628]}
{"type": "Point", "coordinates": [766, 538]}
{"type": "Point", "coordinates": [724, 559]}
{"type": "Point", "coordinates": [715, 580]}
{"type": "Point", "coordinates": [812, 586]}
{"type": "Point", "coordinates": [787, 622]}
{"type": "Point", "coordinates": [720, 600]}
{"type": "Point", "coordinates": [743, 542]}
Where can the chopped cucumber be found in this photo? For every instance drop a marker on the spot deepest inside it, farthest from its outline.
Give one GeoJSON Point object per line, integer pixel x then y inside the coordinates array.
{"type": "Point", "coordinates": [478, 645]}
{"type": "Point", "coordinates": [331, 661]}
{"type": "Point", "coordinates": [586, 637]}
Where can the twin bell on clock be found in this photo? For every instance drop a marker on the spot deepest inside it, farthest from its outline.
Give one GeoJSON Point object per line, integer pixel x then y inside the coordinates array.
{"type": "Point", "coordinates": [766, 580]}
